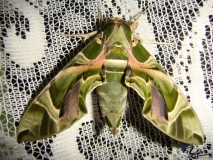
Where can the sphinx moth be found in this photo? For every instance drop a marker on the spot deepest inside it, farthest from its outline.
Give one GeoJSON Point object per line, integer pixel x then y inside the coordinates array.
{"type": "Point", "coordinates": [113, 61]}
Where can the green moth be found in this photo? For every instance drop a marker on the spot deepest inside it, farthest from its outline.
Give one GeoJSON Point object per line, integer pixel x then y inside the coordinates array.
{"type": "Point", "coordinates": [111, 62]}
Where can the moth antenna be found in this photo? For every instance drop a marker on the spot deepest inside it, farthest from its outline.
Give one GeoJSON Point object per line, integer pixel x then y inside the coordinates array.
{"type": "Point", "coordinates": [102, 18]}
{"type": "Point", "coordinates": [135, 23]}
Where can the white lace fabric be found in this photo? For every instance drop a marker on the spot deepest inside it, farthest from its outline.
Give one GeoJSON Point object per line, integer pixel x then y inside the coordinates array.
{"type": "Point", "coordinates": [32, 54]}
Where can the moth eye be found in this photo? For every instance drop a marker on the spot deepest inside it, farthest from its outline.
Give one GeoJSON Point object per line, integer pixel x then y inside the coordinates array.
{"type": "Point", "coordinates": [99, 38]}
{"type": "Point", "coordinates": [134, 42]}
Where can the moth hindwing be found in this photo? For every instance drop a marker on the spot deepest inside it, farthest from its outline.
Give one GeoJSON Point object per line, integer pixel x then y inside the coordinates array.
{"type": "Point", "coordinates": [111, 63]}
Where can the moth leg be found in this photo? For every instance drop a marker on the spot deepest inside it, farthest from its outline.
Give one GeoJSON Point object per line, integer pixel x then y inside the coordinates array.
{"type": "Point", "coordinates": [128, 71]}
{"type": "Point", "coordinates": [128, 74]}
{"type": "Point", "coordinates": [142, 40]}
{"type": "Point", "coordinates": [85, 36]}
{"type": "Point", "coordinates": [102, 73]}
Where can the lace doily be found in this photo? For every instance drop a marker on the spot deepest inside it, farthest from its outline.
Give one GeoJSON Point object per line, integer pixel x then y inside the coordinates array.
{"type": "Point", "coordinates": [32, 54]}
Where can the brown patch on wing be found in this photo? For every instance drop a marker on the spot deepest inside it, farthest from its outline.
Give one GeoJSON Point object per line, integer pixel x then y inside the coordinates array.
{"type": "Point", "coordinates": [159, 109]}
{"type": "Point", "coordinates": [70, 108]}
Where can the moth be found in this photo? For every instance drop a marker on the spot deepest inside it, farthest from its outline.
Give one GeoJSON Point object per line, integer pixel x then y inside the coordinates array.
{"type": "Point", "coordinates": [113, 61]}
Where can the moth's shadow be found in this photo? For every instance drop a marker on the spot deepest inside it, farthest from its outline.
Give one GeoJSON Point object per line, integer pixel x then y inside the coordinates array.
{"type": "Point", "coordinates": [135, 118]}
{"type": "Point", "coordinates": [97, 114]}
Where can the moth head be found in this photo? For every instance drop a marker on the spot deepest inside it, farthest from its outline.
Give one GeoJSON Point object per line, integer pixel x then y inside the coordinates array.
{"type": "Point", "coordinates": [116, 20]}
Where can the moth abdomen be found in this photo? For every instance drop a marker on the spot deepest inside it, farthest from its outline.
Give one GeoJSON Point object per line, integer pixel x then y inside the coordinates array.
{"type": "Point", "coordinates": [113, 92]}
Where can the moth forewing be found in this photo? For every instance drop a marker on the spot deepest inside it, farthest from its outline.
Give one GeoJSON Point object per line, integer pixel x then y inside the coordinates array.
{"type": "Point", "coordinates": [165, 105]}
{"type": "Point", "coordinates": [110, 63]}
{"type": "Point", "coordinates": [42, 118]}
